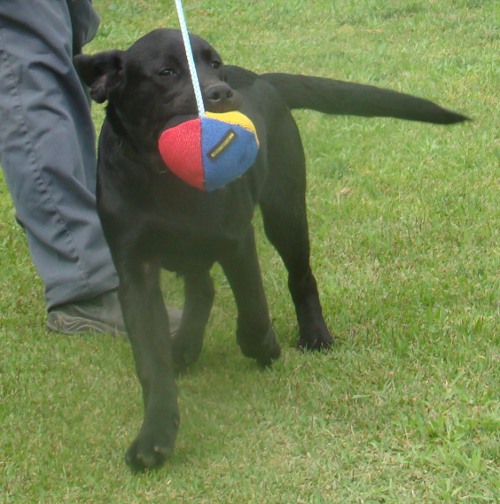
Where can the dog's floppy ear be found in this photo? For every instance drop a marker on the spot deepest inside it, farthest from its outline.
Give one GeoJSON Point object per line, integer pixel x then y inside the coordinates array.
{"type": "Point", "coordinates": [101, 72]}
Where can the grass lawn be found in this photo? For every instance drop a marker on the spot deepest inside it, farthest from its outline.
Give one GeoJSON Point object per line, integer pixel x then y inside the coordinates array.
{"type": "Point", "coordinates": [405, 229]}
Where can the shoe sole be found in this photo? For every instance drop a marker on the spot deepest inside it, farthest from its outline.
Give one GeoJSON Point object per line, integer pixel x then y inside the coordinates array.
{"type": "Point", "coordinates": [72, 325]}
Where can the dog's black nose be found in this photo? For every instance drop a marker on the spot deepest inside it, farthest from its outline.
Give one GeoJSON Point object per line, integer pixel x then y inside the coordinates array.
{"type": "Point", "coordinates": [218, 94]}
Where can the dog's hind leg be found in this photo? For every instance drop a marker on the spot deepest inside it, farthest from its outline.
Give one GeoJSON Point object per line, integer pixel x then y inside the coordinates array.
{"type": "Point", "coordinates": [199, 296]}
{"type": "Point", "coordinates": [255, 335]}
{"type": "Point", "coordinates": [285, 222]}
{"type": "Point", "coordinates": [288, 233]}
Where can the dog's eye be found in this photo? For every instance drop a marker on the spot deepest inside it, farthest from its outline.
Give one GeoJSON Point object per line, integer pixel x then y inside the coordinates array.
{"type": "Point", "coordinates": [216, 64]}
{"type": "Point", "coordinates": [166, 72]}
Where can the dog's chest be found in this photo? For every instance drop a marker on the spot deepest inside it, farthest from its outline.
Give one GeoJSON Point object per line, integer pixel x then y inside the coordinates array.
{"type": "Point", "coordinates": [192, 227]}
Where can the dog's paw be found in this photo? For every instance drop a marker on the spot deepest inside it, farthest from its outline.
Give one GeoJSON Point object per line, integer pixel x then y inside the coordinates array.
{"type": "Point", "coordinates": [265, 353]}
{"type": "Point", "coordinates": [185, 352]}
{"type": "Point", "coordinates": [141, 457]}
{"type": "Point", "coordinates": [150, 450]}
{"type": "Point", "coordinates": [315, 340]}
{"type": "Point", "coordinates": [270, 351]}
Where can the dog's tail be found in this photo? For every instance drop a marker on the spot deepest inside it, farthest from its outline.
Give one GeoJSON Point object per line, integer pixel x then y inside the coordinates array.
{"type": "Point", "coordinates": [345, 98]}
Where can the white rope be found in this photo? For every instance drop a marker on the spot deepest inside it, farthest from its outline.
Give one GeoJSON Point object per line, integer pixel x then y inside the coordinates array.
{"type": "Point", "coordinates": [190, 58]}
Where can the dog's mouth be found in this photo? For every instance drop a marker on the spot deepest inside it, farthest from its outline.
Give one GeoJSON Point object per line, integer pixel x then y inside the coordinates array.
{"type": "Point", "coordinates": [212, 102]}
{"type": "Point", "coordinates": [225, 106]}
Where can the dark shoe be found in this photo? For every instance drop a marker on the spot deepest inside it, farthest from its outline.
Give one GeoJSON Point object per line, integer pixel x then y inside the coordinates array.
{"type": "Point", "coordinates": [101, 314]}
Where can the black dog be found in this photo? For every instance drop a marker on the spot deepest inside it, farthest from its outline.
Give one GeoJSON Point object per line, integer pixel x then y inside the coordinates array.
{"type": "Point", "coordinates": [153, 220]}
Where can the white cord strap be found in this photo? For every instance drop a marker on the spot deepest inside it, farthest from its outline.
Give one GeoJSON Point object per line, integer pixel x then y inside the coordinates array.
{"type": "Point", "coordinates": [190, 58]}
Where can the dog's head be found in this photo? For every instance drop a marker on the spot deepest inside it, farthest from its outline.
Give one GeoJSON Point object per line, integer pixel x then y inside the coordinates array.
{"type": "Point", "coordinates": [150, 84]}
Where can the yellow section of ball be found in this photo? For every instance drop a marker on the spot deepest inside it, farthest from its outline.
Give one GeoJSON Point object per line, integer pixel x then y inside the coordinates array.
{"type": "Point", "coordinates": [237, 118]}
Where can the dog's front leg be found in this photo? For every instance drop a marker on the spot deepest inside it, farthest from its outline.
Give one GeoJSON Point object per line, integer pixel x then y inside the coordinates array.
{"type": "Point", "coordinates": [254, 333]}
{"type": "Point", "coordinates": [147, 325]}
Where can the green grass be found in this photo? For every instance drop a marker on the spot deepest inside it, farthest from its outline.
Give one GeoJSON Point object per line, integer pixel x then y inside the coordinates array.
{"type": "Point", "coordinates": [405, 235]}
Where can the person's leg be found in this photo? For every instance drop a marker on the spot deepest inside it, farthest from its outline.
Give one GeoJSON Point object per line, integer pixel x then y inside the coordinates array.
{"type": "Point", "coordinates": [47, 151]}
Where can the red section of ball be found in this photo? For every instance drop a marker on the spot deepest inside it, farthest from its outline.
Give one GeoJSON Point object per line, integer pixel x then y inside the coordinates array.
{"type": "Point", "coordinates": [180, 149]}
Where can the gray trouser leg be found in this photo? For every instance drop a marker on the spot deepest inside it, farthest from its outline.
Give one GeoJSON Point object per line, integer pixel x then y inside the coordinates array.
{"type": "Point", "coordinates": [47, 150]}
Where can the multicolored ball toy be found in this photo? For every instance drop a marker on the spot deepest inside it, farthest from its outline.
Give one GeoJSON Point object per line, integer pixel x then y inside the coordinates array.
{"type": "Point", "coordinates": [211, 150]}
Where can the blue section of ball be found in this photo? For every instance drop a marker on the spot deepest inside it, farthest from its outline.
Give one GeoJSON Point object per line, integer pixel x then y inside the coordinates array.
{"type": "Point", "coordinates": [228, 151]}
